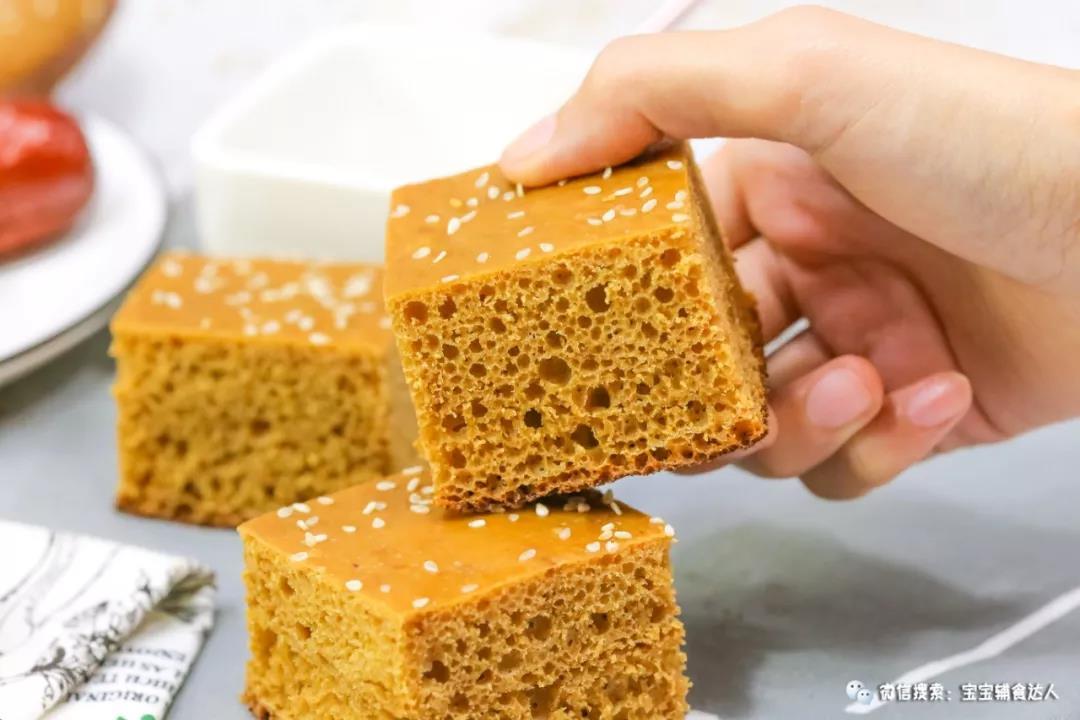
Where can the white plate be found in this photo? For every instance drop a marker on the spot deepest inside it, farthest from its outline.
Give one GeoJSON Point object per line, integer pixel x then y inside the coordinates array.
{"type": "Point", "coordinates": [53, 297]}
{"type": "Point", "coordinates": [303, 161]}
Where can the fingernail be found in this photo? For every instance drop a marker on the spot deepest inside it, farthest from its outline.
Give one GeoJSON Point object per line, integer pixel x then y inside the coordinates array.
{"type": "Point", "coordinates": [531, 141]}
{"type": "Point", "coordinates": [838, 398]}
{"type": "Point", "coordinates": [936, 401]}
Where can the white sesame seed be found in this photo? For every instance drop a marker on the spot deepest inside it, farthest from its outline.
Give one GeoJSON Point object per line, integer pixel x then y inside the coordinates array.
{"type": "Point", "coordinates": [421, 252]}
{"type": "Point", "coordinates": [430, 566]}
{"type": "Point", "coordinates": [594, 221]}
{"type": "Point", "coordinates": [674, 164]}
{"type": "Point", "coordinates": [311, 539]}
{"type": "Point", "coordinates": [592, 547]}
{"type": "Point", "coordinates": [471, 587]}
{"type": "Point", "coordinates": [527, 555]}
{"type": "Point", "coordinates": [483, 179]}
{"type": "Point", "coordinates": [628, 212]}
{"type": "Point", "coordinates": [642, 181]}
{"type": "Point", "coordinates": [301, 524]}
{"type": "Point", "coordinates": [515, 215]}
{"type": "Point", "coordinates": [348, 528]}
{"type": "Point", "coordinates": [622, 535]}
{"type": "Point", "coordinates": [313, 521]}
{"type": "Point", "coordinates": [519, 190]}
{"type": "Point", "coordinates": [469, 215]}
{"type": "Point", "coordinates": [412, 470]}
{"type": "Point", "coordinates": [527, 230]}
{"type": "Point", "coordinates": [284, 512]}
{"type": "Point", "coordinates": [324, 500]}
{"type": "Point", "coordinates": [508, 196]}
{"type": "Point", "coordinates": [453, 226]}
{"type": "Point", "coordinates": [605, 535]}
{"type": "Point", "coordinates": [669, 531]}
{"type": "Point", "coordinates": [563, 533]}
{"type": "Point", "coordinates": [318, 338]}
{"type": "Point", "coordinates": [482, 257]}
{"type": "Point", "coordinates": [385, 485]}
{"type": "Point", "coordinates": [477, 523]}
{"type": "Point", "coordinates": [648, 206]}
{"type": "Point", "coordinates": [420, 602]}
{"type": "Point", "coordinates": [354, 585]}
{"type": "Point", "coordinates": [608, 216]}
{"type": "Point", "coordinates": [428, 489]}
{"type": "Point", "coordinates": [369, 508]}
{"type": "Point", "coordinates": [378, 523]}
{"type": "Point", "coordinates": [680, 217]}
{"type": "Point", "coordinates": [299, 557]}
{"type": "Point", "coordinates": [432, 219]}
{"type": "Point", "coordinates": [412, 484]}
{"type": "Point", "coordinates": [301, 507]}
{"type": "Point", "coordinates": [400, 211]}
{"type": "Point", "coordinates": [384, 588]}
{"type": "Point", "coordinates": [591, 189]}
{"type": "Point", "coordinates": [615, 508]}
{"type": "Point", "coordinates": [270, 327]}
{"type": "Point", "coordinates": [542, 509]}
{"type": "Point", "coordinates": [512, 517]}
{"type": "Point", "coordinates": [656, 520]}
{"type": "Point", "coordinates": [583, 507]}
{"type": "Point", "coordinates": [674, 205]}
{"type": "Point", "coordinates": [623, 191]}
{"type": "Point", "coordinates": [449, 278]}
{"type": "Point", "coordinates": [546, 247]}
{"type": "Point", "coordinates": [306, 323]}
{"type": "Point", "coordinates": [607, 527]}
{"type": "Point", "coordinates": [522, 253]}
{"type": "Point", "coordinates": [607, 173]}
{"type": "Point", "coordinates": [471, 202]}
{"type": "Point", "coordinates": [611, 546]}
{"type": "Point", "coordinates": [420, 509]}
{"type": "Point", "coordinates": [493, 192]}
{"type": "Point", "coordinates": [681, 195]}
{"type": "Point", "coordinates": [646, 192]}
{"type": "Point", "coordinates": [439, 257]}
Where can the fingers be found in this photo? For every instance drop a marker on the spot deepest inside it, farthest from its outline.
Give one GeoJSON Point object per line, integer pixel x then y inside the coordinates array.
{"type": "Point", "coordinates": [911, 423]}
{"type": "Point", "coordinates": [800, 76]}
{"type": "Point", "coordinates": [817, 414]}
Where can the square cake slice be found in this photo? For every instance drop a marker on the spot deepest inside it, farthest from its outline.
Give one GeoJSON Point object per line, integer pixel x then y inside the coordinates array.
{"type": "Point", "coordinates": [371, 603]}
{"type": "Point", "coordinates": [242, 385]}
{"type": "Point", "coordinates": [557, 338]}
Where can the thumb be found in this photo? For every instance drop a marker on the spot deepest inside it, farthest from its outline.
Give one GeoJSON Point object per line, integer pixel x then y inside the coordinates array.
{"type": "Point", "coordinates": [915, 129]}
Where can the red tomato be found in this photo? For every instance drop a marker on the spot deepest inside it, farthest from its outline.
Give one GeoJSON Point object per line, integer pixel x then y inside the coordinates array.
{"type": "Point", "coordinates": [46, 175]}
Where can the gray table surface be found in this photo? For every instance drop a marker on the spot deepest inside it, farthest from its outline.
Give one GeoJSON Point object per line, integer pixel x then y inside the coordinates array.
{"type": "Point", "coordinates": [786, 598]}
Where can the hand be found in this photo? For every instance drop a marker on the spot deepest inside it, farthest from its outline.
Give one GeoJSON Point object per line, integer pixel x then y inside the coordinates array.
{"type": "Point", "coordinates": [917, 202]}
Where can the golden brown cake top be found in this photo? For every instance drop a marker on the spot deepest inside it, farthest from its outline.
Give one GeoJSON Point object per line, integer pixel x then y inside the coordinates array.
{"type": "Point", "coordinates": [290, 301]}
{"type": "Point", "coordinates": [478, 222]}
{"type": "Point", "coordinates": [386, 540]}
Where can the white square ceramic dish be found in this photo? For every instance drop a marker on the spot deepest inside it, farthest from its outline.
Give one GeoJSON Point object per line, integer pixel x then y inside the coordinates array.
{"type": "Point", "coordinates": [303, 161]}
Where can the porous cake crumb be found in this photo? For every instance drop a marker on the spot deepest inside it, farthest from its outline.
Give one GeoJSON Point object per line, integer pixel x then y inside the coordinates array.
{"type": "Point", "coordinates": [557, 338]}
{"type": "Point", "coordinates": [375, 604]}
{"type": "Point", "coordinates": [246, 384]}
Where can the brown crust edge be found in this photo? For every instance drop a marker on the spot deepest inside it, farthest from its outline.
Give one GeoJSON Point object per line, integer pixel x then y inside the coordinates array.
{"type": "Point", "coordinates": [228, 521]}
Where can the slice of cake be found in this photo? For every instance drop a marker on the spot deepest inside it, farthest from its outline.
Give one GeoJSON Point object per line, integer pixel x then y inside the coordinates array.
{"type": "Point", "coordinates": [557, 338]}
{"type": "Point", "coordinates": [243, 385]}
{"type": "Point", "coordinates": [370, 603]}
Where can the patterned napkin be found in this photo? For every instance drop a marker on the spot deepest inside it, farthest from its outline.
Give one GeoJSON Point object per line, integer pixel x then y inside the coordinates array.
{"type": "Point", "coordinates": [94, 629]}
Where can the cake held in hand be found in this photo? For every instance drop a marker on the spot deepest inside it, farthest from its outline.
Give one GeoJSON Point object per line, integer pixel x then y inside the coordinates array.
{"type": "Point", "coordinates": [557, 338]}
{"type": "Point", "coordinates": [243, 385]}
{"type": "Point", "coordinates": [372, 603]}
